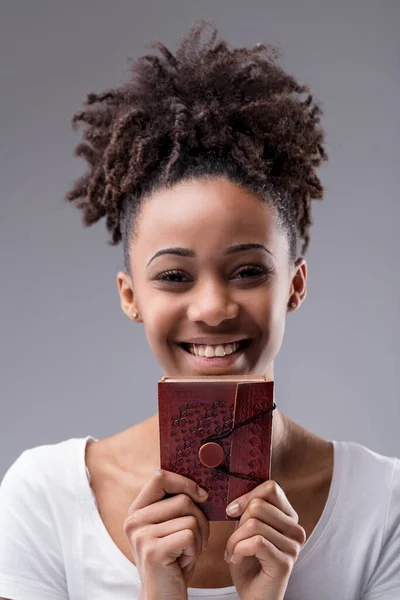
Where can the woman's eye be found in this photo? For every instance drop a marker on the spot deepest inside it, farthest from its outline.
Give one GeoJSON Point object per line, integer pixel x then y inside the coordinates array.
{"type": "Point", "coordinates": [172, 276]}
{"type": "Point", "coordinates": [252, 271]}
{"type": "Point", "coordinates": [176, 276]}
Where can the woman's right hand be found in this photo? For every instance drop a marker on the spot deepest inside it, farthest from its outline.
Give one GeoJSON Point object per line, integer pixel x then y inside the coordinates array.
{"type": "Point", "coordinates": [167, 534]}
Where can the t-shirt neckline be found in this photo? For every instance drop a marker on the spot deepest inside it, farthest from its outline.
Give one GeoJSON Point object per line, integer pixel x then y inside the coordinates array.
{"type": "Point", "coordinates": [112, 549]}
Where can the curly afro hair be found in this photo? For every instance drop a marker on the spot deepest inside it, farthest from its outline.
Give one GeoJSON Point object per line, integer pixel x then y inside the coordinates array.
{"type": "Point", "coordinates": [208, 110]}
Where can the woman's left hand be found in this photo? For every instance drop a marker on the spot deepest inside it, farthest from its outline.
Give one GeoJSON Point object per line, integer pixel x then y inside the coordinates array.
{"type": "Point", "coordinates": [265, 545]}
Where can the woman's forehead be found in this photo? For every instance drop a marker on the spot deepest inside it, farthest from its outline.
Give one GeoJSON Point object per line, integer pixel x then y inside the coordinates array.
{"type": "Point", "coordinates": [202, 207]}
{"type": "Point", "coordinates": [207, 218]}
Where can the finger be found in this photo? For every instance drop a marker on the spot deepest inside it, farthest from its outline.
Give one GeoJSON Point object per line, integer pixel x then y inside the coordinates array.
{"type": "Point", "coordinates": [165, 482]}
{"type": "Point", "coordinates": [166, 509]}
{"type": "Point", "coordinates": [268, 490]}
{"type": "Point", "coordinates": [170, 548]}
{"type": "Point", "coordinates": [265, 551]}
{"type": "Point", "coordinates": [253, 528]}
{"type": "Point", "coordinates": [265, 512]}
{"type": "Point", "coordinates": [143, 534]}
{"type": "Point", "coordinates": [148, 534]}
{"type": "Point", "coordinates": [183, 523]}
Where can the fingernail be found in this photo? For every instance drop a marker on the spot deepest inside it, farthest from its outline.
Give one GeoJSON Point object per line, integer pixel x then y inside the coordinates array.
{"type": "Point", "coordinates": [233, 508]}
{"type": "Point", "coordinates": [226, 556]}
{"type": "Point", "coordinates": [202, 493]}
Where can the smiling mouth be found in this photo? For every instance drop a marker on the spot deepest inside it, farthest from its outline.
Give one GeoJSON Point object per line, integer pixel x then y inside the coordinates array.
{"type": "Point", "coordinates": [204, 352]}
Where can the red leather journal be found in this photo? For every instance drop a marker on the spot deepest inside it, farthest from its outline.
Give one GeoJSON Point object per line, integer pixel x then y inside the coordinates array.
{"type": "Point", "coordinates": [218, 432]}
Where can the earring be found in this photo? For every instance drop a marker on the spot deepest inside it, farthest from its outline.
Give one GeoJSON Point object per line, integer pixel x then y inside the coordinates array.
{"type": "Point", "coordinates": [293, 304]}
{"type": "Point", "coordinates": [134, 315]}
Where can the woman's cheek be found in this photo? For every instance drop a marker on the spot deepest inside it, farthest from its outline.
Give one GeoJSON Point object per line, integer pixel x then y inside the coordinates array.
{"type": "Point", "coordinates": [158, 327]}
{"type": "Point", "coordinates": [279, 323]}
{"type": "Point", "coordinates": [274, 323]}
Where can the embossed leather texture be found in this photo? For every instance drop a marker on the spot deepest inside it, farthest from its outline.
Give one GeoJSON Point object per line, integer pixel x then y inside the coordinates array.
{"type": "Point", "coordinates": [191, 410]}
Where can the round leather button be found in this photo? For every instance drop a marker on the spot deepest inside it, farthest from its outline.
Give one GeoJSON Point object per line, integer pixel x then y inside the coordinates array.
{"type": "Point", "coordinates": [211, 454]}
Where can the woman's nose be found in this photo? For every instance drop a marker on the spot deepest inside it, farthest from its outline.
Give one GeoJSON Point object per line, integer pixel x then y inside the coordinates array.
{"type": "Point", "coordinates": [212, 304]}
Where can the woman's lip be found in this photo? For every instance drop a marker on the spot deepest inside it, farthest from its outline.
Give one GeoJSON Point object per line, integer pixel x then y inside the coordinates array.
{"type": "Point", "coordinates": [243, 342]}
{"type": "Point", "coordinates": [216, 361]}
{"type": "Point", "coordinates": [202, 342]}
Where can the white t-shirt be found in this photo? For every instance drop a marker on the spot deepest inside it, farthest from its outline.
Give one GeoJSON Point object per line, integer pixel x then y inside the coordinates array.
{"type": "Point", "coordinates": [54, 545]}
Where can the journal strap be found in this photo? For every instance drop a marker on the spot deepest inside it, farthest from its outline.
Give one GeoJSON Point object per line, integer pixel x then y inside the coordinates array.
{"type": "Point", "coordinates": [228, 432]}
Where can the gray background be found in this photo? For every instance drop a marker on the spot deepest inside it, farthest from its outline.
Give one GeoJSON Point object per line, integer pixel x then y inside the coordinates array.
{"type": "Point", "coordinates": [71, 362]}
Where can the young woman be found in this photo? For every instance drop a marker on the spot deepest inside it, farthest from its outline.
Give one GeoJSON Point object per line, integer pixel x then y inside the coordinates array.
{"type": "Point", "coordinates": [204, 166]}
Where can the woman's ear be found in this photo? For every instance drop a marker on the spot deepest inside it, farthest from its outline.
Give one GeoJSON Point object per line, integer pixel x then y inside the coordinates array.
{"type": "Point", "coordinates": [127, 297]}
{"type": "Point", "coordinates": [298, 284]}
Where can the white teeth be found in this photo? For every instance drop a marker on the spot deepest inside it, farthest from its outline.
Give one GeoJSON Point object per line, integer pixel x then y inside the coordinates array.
{"type": "Point", "coordinates": [212, 351]}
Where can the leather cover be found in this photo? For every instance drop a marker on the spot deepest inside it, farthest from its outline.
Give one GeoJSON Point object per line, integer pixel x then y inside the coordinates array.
{"type": "Point", "coordinates": [191, 411]}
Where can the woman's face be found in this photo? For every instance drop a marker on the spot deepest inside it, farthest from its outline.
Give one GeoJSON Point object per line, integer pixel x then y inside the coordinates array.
{"type": "Point", "coordinates": [210, 266]}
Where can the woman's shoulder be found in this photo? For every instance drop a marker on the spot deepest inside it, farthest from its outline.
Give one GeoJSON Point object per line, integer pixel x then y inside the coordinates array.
{"type": "Point", "coordinates": [44, 469]}
{"type": "Point", "coordinates": [366, 464]}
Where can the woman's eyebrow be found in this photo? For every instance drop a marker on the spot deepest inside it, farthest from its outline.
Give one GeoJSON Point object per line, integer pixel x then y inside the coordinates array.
{"type": "Point", "coordinates": [188, 252]}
